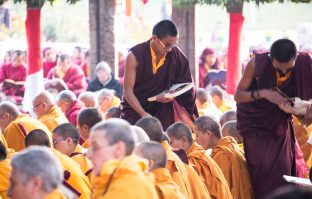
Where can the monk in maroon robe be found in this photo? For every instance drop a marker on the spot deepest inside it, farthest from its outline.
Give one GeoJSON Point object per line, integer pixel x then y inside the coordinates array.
{"type": "Point", "coordinates": [268, 133]}
{"type": "Point", "coordinates": [50, 60]}
{"type": "Point", "coordinates": [13, 76]}
{"type": "Point", "coordinates": [152, 67]}
{"type": "Point", "coordinates": [72, 75]}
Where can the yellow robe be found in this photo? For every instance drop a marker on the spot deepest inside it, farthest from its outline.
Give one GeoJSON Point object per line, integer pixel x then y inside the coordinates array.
{"type": "Point", "coordinates": [165, 186]}
{"type": "Point", "coordinates": [5, 170]}
{"type": "Point", "coordinates": [53, 118]}
{"type": "Point", "coordinates": [178, 171]}
{"type": "Point", "coordinates": [121, 179]}
{"type": "Point", "coordinates": [2, 139]}
{"type": "Point", "coordinates": [224, 107]}
{"type": "Point", "coordinates": [232, 162]}
{"type": "Point", "coordinates": [56, 194]}
{"type": "Point", "coordinates": [199, 190]}
{"type": "Point", "coordinates": [86, 144]}
{"type": "Point", "coordinates": [84, 163]}
{"type": "Point", "coordinates": [77, 179]}
{"type": "Point", "coordinates": [209, 170]}
{"type": "Point", "coordinates": [17, 130]}
{"type": "Point", "coordinates": [302, 134]}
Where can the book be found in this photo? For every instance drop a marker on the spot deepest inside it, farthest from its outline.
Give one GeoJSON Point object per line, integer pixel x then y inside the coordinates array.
{"type": "Point", "coordinates": [299, 181]}
{"type": "Point", "coordinates": [174, 91]}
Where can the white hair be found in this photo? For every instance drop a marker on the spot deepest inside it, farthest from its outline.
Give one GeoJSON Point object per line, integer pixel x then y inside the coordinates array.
{"type": "Point", "coordinates": [139, 134]}
{"type": "Point", "coordinates": [39, 161]}
{"type": "Point", "coordinates": [103, 65]}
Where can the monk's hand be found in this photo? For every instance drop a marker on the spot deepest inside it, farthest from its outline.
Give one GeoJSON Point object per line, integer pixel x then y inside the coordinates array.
{"type": "Point", "coordinates": [299, 109]}
{"type": "Point", "coordinates": [273, 96]}
{"type": "Point", "coordinates": [161, 98]}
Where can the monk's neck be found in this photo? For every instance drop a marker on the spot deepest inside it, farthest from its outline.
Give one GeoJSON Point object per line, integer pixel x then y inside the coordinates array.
{"type": "Point", "coordinates": [158, 54]}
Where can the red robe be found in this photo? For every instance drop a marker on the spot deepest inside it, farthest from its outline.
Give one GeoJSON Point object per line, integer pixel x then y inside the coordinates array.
{"type": "Point", "coordinates": [47, 66]}
{"type": "Point", "coordinates": [74, 79]}
{"type": "Point", "coordinates": [73, 111]}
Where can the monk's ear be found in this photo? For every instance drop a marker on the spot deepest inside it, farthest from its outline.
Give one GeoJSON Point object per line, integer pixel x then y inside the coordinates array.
{"type": "Point", "coordinates": [150, 164]}
{"type": "Point", "coordinates": [154, 38]}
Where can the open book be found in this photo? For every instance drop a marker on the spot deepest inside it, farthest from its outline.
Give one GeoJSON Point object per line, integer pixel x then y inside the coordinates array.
{"type": "Point", "coordinates": [174, 91]}
{"type": "Point", "coordinates": [299, 181]}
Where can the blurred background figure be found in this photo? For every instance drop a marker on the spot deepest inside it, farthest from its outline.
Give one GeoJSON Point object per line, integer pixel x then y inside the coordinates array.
{"type": "Point", "coordinates": [207, 61]}
{"type": "Point", "coordinates": [49, 60]}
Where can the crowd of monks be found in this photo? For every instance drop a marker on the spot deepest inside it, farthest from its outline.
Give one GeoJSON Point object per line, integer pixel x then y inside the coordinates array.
{"type": "Point", "coordinates": [103, 157]}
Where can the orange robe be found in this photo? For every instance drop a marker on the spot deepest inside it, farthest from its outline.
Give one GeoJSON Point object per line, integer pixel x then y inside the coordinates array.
{"type": "Point", "coordinates": [165, 186]}
{"type": "Point", "coordinates": [209, 170]}
{"type": "Point", "coordinates": [86, 144]}
{"type": "Point", "coordinates": [5, 170]}
{"type": "Point", "coordinates": [178, 171]}
{"type": "Point", "coordinates": [232, 162]}
{"type": "Point", "coordinates": [120, 179]}
{"type": "Point", "coordinates": [74, 176]}
{"type": "Point", "coordinates": [56, 194]}
{"type": "Point", "coordinates": [224, 107]}
{"type": "Point", "coordinates": [53, 118]}
{"type": "Point", "coordinates": [17, 130]}
{"type": "Point", "coordinates": [302, 135]}
{"type": "Point", "coordinates": [85, 164]}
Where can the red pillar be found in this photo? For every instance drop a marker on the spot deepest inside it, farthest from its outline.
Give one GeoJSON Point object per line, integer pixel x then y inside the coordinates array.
{"type": "Point", "coordinates": [234, 70]}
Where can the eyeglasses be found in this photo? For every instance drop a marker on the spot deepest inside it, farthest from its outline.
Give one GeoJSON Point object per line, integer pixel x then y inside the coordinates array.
{"type": "Point", "coordinates": [168, 47]}
{"type": "Point", "coordinates": [35, 107]}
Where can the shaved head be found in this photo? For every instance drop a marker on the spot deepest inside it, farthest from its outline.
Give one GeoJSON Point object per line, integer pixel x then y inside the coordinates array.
{"type": "Point", "coordinates": [153, 128]}
{"type": "Point", "coordinates": [66, 95]}
{"type": "Point", "coordinates": [227, 116]}
{"type": "Point", "coordinates": [206, 123]}
{"type": "Point", "coordinates": [10, 108]}
{"type": "Point", "coordinates": [230, 129]}
{"type": "Point", "coordinates": [45, 96]}
{"type": "Point", "coordinates": [139, 134]}
{"type": "Point", "coordinates": [179, 130]}
{"type": "Point", "coordinates": [37, 137]}
{"type": "Point", "coordinates": [154, 152]}
{"type": "Point", "coordinates": [89, 99]}
{"type": "Point", "coordinates": [67, 130]}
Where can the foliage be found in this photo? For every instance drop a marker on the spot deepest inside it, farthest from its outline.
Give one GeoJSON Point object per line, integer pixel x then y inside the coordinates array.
{"type": "Point", "coordinates": [38, 3]}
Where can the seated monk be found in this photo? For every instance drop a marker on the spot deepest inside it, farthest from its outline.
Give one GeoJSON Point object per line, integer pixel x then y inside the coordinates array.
{"type": "Point", "coordinates": [89, 99]}
{"type": "Point", "coordinates": [227, 154]}
{"type": "Point", "coordinates": [182, 174]}
{"type": "Point", "coordinates": [17, 125]}
{"type": "Point", "coordinates": [217, 95]}
{"type": "Point", "coordinates": [86, 119]}
{"type": "Point", "coordinates": [66, 140]}
{"type": "Point", "coordinates": [204, 106]}
{"type": "Point", "coordinates": [69, 105]}
{"type": "Point", "coordinates": [230, 129]}
{"type": "Point", "coordinates": [113, 112]}
{"type": "Point", "coordinates": [118, 173]}
{"type": "Point", "coordinates": [157, 157]}
{"type": "Point", "coordinates": [13, 76]}
{"type": "Point", "coordinates": [5, 170]}
{"type": "Point", "coordinates": [50, 60]}
{"type": "Point", "coordinates": [227, 116]}
{"type": "Point", "coordinates": [140, 135]}
{"type": "Point", "coordinates": [107, 99]}
{"type": "Point", "coordinates": [74, 178]}
{"type": "Point", "coordinates": [72, 75]}
{"type": "Point", "coordinates": [47, 111]}
{"type": "Point", "coordinates": [181, 138]}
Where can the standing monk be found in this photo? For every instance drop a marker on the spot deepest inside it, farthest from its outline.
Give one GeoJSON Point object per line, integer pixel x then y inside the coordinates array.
{"type": "Point", "coordinates": [152, 67]}
{"type": "Point", "coordinates": [268, 134]}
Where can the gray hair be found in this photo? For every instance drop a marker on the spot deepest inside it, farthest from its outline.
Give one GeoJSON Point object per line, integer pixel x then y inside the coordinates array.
{"type": "Point", "coordinates": [115, 130]}
{"type": "Point", "coordinates": [39, 161]}
{"type": "Point", "coordinates": [139, 135]}
{"type": "Point", "coordinates": [103, 65]}
{"type": "Point", "coordinates": [91, 96]}
{"type": "Point", "coordinates": [105, 92]}
{"type": "Point", "coordinates": [66, 95]}
{"type": "Point", "coordinates": [10, 108]}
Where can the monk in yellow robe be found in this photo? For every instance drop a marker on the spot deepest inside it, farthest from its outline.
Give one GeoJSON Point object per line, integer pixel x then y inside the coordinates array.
{"type": "Point", "coordinates": [302, 134]}
{"type": "Point", "coordinates": [5, 170]}
{"type": "Point", "coordinates": [47, 111]}
{"type": "Point", "coordinates": [16, 125]}
{"type": "Point", "coordinates": [181, 138]}
{"type": "Point", "coordinates": [230, 129]}
{"type": "Point", "coordinates": [217, 95]}
{"type": "Point", "coordinates": [204, 106]}
{"type": "Point", "coordinates": [65, 140]}
{"type": "Point", "coordinates": [74, 178]}
{"type": "Point", "coordinates": [227, 154]}
{"type": "Point", "coordinates": [119, 174]}
{"type": "Point", "coordinates": [157, 157]}
{"type": "Point", "coordinates": [86, 119]}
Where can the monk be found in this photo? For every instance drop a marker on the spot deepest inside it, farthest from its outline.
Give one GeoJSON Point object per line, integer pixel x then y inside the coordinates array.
{"type": "Point", "coordinates": [152, 67]}
{"type": "Point", "coordinates": [204, 104]}
{"type": "Point", "coordinates": [66, 140]}
{"type": "Point", "coordinates": [118, 173]}
{"type": "Point", "coordinates": [47, 111]}
{"type": "Point", "coordinates": [230, 129]}
{"type": "Point", "coordinates": [13, 76]}
{"type": "Point", "coordinates": [86, 119]}
{"type": "Point", "coordinates": [89, 99]}
{"type": "Point", "coordinates": [227, 116]}
{"type": "Point", "coordinates": [267, 130]}
{"type": "Point", "coordinates": [217, 95]}
{"type": "Point", "coordinates": [72, 75]}
{"type": "Point", "coordinates": [36, 173]}
{"type": "Point", "coordinates": [5, 170]}
{"type": "Point", "coordinates": [181, 138]}
{"type": "Point", "coordinates": [69, 105]}
{"type": "Point", "coordinates": [191, 185]}
{"type": "Point", "coordinates": [140, 135]}
{"type": "Point", "coordinates": [50, 60]}
{"type": "Point", "coordinates": [113, 112]}
{"type": "Point", "coordinates": [74, 178]}
{"type": "Point", "coordinates": [17, 125]}
{"type": "Point", "coordinates": [157, 157]}
{"type": "Point", "coordinates": [227, 154]}
{"type": "Point", "coordinates": [107, 99]}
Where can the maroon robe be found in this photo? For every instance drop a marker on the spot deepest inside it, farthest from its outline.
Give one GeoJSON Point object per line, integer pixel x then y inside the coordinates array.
{"type": "Point", "coordinates": [74, 79]}
{"type": "Point", "coordinates": [174, 70]}
{"type": "Point", "coordinates": [73, 111]}
{"type": "Point", "coordinates": [47, 66]}
{"type": "Point", "coordinates": [19, 73]}
{"type": "Point", "coordinates": [269, 141]}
